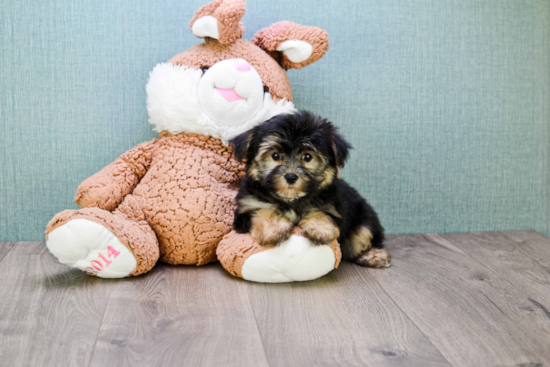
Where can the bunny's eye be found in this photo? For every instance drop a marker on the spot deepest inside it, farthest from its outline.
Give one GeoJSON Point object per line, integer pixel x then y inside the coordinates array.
{"type": "Point", "coordinates": [204, 70]}
{"type": "Point", "coordinates": [266, 89]}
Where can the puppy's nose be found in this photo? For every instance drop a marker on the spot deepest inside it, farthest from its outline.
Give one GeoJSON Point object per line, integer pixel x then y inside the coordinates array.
{"type": "Point", "coordinates": [241, 65]}
{"type": "Point", "coordinates": [291, 178]}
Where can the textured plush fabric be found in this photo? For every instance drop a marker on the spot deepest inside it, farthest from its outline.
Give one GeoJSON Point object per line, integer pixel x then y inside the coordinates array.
{"type": "Point", "coordinates": [211, 52]}
{"type": "Point", "coordinates": [271, 38]}
{"type": "Point", "coordinates": [228, 14]}
{"type": "Point", "coordinates": [185, 198]}
{"type": "Point", "coordinates": [88, 245]}
{"type": "Point", "coordinates": [176, 195]}
{"type": "Point", "coordinates": [235, 249]}
{"type": "Point", "coordinates": [128, 224]}
{"type": "Point", "coordinates": [446, 102]}
{"type": "Point", "coordinates": [174, 106]}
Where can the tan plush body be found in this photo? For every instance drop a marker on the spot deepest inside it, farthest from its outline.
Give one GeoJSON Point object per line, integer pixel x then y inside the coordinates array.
{"type": "Point", "coordinates": [172, 199]}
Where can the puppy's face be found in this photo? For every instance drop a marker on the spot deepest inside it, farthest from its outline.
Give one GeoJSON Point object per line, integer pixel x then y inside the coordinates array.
{"type": "Point", "coordinates": [292, 155]}
{"type": "Point", "coordinates": [290, 169]}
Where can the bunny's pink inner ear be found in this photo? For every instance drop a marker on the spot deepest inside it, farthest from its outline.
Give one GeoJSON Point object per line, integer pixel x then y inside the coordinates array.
{"type": "Point", "coordinates": [292, 45]}
{"type": "Point", "coordinates": [219, 19]}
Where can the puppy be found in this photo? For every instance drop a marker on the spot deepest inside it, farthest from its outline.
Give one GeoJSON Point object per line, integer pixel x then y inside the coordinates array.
{"type": "Point", "coordinates": [292, 165]}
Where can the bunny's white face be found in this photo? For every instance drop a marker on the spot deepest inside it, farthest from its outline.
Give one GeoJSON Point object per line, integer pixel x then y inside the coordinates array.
{"type": "Point", "coordinates": [231, 92]}
{"type": "Point", "coordinates": [228, 97]}
{"type": "Point", "coordinates": [222, 101]}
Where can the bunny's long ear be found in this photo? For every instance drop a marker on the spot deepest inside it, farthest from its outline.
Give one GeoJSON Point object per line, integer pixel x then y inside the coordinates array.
{"type": "Point", "coordinates": [292, 45]}
{"type": "Point", "coordinates": [219, 19]}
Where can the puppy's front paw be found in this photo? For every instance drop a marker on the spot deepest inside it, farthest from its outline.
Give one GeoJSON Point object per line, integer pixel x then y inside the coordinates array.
{"type": "Point", "coordinates": [375, 258]}
{"type": "Point", "coordinates": [320, 236]}
{"type": "Point", "coordinates": [269, 228]}
{"type": "Point", "coordinates": [319, 228]}
{"type": "Point", "coordinates": [272, 235]}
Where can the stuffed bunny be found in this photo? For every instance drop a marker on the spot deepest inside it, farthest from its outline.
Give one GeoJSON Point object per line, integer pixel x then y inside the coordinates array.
{"type": "Point", "coordinates": [172, 199]}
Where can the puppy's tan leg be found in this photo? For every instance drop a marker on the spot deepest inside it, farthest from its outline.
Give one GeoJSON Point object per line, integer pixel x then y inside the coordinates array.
{"type": "Point", "coordinates": [270, 228]}
{"type": "Point", "coordinates": [319, 228]}
{"type": "Point", "coordinates": [359, 248]}
{"type": "Point", "coordinates": [358, 242]}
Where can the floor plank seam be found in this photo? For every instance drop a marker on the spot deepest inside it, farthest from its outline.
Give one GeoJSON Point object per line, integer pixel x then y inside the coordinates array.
{"type": "Point", "coordinates": [499, 283]}
{"type": "Point", "coordinates": [411, 320]}
{"type": "Point", "coordinates": [7, 252]}
{"type": "Point", "coordinates": [501, 274]}
{"type": "Point", "coordinates": [498, 273]}
{"type": "Point", "coordinates": [100, 325]}
{"type": "Point", "coordinates": [258, 328]}
{"type": "Point", "coordinates": [539, 305]}
{"type": "Point", "coordinates": [485, 265]}
{"type": "Point", "coordinates": [519, 243]}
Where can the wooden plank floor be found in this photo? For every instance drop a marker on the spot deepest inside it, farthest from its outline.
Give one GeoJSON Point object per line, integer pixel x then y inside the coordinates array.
{"type": "Point", "coordinates": [470, 299]}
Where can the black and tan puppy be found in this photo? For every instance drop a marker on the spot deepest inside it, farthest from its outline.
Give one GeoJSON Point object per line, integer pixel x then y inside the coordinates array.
{"type": "Point", "coordinates": [292, 164]}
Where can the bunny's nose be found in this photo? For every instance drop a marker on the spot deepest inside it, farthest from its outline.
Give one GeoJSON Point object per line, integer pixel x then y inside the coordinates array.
{"type": "Point", "coordinates": [241, 65]}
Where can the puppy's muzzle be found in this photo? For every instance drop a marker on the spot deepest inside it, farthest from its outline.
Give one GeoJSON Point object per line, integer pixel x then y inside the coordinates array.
{"type": "Point", "coordinates": [291, 178]}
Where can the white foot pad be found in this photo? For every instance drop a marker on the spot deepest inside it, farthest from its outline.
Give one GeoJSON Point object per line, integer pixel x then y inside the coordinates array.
{"type": "Point", "coordinates": [293, 260]}
{"type": "Point", "coordinates": [90, 247]}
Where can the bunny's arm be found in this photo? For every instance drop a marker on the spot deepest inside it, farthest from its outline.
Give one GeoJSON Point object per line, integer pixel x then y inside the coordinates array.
{"type": "Point", "coordinates": [107, 188]}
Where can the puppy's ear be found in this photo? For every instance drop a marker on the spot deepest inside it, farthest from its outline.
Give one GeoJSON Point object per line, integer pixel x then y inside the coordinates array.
{"type": "Point", "coordinates": [340, 148]}
{"type": "Point", "coordinates": [241, 144]}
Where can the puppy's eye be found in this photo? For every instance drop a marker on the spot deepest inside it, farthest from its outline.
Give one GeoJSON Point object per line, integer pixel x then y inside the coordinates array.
{"type": "Point", "coordinates": [307, 157]}
{"type": "Point", "coordinates": [276, 157]}
{"type": "Point", "coordinates": [204, 70]}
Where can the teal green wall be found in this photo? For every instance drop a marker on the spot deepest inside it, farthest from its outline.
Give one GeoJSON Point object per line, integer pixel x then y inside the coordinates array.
{"type": "Point", "coordinates": [446, 102]}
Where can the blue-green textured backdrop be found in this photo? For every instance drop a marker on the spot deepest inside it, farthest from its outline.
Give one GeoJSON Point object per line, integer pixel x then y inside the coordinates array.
{"type": "Point", "coordinates": [446, 102]}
